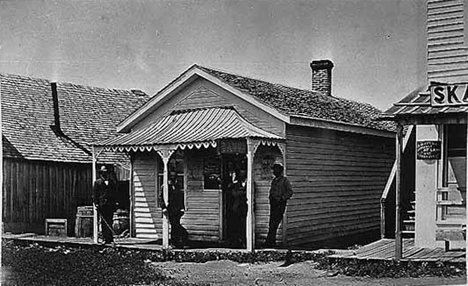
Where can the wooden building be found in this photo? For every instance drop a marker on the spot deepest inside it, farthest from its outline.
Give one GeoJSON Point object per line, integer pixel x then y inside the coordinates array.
{"type": "Point", "coordinates": [207, 121]}
{"type": "Point", "coordinates": [437, 117]}
{"type": "Point", "coordinates": [47, 131]}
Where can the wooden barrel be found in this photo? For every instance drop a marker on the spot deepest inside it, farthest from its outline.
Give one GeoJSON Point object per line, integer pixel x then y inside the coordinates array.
{"type": "Point", "coordinates": [120, 221]}
{"type": "Point", "coordinates": [84, 221]}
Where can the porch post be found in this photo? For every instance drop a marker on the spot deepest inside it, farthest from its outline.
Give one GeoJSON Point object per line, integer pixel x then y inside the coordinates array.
{"type": "Point", "coordinates": [398, 242]}
{"type": "Point", "coordinates": [165, 156]}
{"type": "Point", "coordinates": [96, 151]}
{"type": "Point", "coordinates": [250, 223]}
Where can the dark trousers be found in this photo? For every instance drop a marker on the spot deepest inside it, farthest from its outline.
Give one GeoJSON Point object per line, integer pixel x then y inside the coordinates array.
{"type": "Point", "coordinates": [179, 234]}
{"type": "Point", "coordinates": [238, 222]}
{"type": "Point", "coordinates": [277, 208]}
{"type": "Point", "coordinates": [107, 214]}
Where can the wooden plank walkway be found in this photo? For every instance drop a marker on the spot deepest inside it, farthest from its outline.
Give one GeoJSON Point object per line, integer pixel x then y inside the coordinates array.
{"type": "Point", "coordinates": [384, 249]}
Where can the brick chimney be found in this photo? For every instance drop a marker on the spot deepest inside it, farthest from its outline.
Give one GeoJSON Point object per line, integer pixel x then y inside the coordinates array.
{"type": "Point", "coordinates": [322, 76]}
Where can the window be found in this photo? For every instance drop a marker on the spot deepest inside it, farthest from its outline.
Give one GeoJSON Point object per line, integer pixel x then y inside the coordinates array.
{"type": "Point", "coordinates": [211, 172]}
{"type": "Point", "coordinates": [454, 146]}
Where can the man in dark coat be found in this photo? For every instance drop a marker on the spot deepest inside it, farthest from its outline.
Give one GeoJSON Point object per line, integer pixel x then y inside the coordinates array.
{"type": "Point", "coordinates": [175, 209]}
{"type": "Point", "coordinates": [280, 193]}
{"type": "Point", "coordinates": [104, 198]}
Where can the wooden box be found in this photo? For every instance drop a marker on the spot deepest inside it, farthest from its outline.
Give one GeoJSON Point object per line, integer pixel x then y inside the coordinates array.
{"type": "Point", "coordinates": [84, 221]}
{"type": "Point", "coordinates": [56, 226]}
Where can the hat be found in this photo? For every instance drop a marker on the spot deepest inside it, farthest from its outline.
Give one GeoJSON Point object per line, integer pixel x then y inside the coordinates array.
{"type": "Point", "coordinates": [277, 165]}
{"type": "Point", "coordinates": [103, 169]}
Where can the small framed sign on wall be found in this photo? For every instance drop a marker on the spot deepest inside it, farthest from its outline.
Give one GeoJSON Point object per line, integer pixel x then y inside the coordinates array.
{"type": "Point", "coordinates": [428, 150]}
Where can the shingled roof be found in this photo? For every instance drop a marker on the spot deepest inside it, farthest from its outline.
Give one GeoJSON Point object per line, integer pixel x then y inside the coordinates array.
{"type": "Point", "coordinates": [299, 102]}
{"type": "Point", "coordinates": [87, 114]}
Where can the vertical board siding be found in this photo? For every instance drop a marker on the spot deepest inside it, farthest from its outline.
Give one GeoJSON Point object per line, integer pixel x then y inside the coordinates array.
{"type": "Point", "coordinates": [36, 190]}
{"type": "Point", "coordinates": [447, 51]}
{"type": "Point", "coordinates": [147, 214]}
{"type": "Point", "coordinates": [337, 179]}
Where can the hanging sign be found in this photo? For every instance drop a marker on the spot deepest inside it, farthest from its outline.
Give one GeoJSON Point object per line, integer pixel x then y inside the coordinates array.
{"type": "Point", "coordinates": [428, 150]}
{"type": "Point", "coordinates": [232, 147]}
{"type": "Point", "coordinates": [449, 95]}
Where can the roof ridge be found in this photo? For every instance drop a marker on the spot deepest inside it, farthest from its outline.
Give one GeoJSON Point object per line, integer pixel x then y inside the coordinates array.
{"type": "Point", "coordinates": [68, 83]}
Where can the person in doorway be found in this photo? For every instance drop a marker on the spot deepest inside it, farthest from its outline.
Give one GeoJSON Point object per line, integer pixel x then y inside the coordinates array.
{"type": "Point", "coordinates": [104, 192]}
{"type": "Point", "coordinates": [175, 209]}
{"type": "Point", "coordinates": [280, 193]}
{"type": "Point", "coordinates": [236, 188]}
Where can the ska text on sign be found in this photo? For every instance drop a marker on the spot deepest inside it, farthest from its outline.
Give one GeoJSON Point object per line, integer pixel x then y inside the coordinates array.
{"type": "Point", "coordinates": [449, 95]}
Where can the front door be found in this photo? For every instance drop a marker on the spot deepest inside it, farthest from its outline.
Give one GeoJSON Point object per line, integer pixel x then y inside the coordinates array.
{"type": "Point", "coordinates": [234, 199]}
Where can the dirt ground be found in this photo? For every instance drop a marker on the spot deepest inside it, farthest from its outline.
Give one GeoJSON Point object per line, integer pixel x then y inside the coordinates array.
{"type": "Point", "coordinates": [231, 273]}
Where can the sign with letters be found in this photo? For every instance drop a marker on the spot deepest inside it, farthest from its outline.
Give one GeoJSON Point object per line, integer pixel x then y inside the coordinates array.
{"type": "Point", "coordinates": [232, 146]}
{"type": "Point", "coordinates": [449, 95]}
{"type": "Point", "coordinates": [428, 150]}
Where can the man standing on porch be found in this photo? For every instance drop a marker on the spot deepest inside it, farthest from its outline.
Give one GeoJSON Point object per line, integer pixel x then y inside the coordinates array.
{"type": "Point", "coordinates": [104, 199]}
{"type": "Point", "coordinates": [280, 193]}
{"type": "Point", "coordinates": [175, 209]}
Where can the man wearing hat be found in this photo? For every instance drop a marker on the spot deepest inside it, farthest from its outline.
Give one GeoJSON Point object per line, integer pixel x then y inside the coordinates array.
{"type": "Point", "coordinates": [104, 198]}
{"type": "Point", "coordinates": [175, 209]}
{"type": "Point", "coordinates": [280, 192]}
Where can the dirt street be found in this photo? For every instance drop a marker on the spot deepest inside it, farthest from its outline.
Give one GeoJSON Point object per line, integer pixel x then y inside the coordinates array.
{"type": "Point", "coordinates": [231, 273]}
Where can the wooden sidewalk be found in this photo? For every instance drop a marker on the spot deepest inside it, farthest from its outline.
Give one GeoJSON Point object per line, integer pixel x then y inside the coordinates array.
{"type": "Point", "coordinates": [384, 249]}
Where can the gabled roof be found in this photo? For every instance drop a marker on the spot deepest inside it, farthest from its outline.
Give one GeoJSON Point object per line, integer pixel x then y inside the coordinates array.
{"type": "Point", "coordinates": [87, 114]}
{"type": "Point", "coordinates": [194, 127]}
{"type": "Point", "coordinates": [418, 103]}
{"type": "Point", "coordinates": [281, 101]}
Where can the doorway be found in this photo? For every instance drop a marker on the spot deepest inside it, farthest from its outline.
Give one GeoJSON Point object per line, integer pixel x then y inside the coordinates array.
{"type": "Point", "coordinates": [234, 198]}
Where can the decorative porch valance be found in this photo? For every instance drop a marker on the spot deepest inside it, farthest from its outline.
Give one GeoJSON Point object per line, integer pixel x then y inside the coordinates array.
{"type": "Point", "coordinates": [188, 129]}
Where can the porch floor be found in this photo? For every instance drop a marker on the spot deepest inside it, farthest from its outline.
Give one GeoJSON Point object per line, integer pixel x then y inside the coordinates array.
{"type": "Point", "coordinates": [384, 249]}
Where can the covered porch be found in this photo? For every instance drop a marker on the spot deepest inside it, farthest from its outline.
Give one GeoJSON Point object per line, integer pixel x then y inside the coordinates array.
{"type": "Point", "coordinates": [435, 210]}
{"type": "Point", "coordinates": [201, 146]}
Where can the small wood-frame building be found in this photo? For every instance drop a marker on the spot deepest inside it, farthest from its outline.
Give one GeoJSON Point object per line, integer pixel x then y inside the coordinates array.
{"type": "Point", "coordinates": [47, 131]}
{"type": "Point", "coordinates": [206, 122]}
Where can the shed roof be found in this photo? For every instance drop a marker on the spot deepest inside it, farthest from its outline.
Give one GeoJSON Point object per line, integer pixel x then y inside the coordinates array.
{"type": "Point", "coordinates": [194, 127]}
{"type": "Point", "coordinates": [87, 114]}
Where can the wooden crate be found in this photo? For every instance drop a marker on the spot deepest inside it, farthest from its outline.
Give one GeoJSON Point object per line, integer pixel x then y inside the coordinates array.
{"type": "Point", "coordinates": [56, 226]}
{"type": "Point", "coordinates": [84, 221]}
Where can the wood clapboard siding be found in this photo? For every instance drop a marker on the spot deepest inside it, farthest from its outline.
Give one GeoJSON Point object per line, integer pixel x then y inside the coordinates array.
{"type": "Point", "coordinates": [204, 94]}
{"type": "Point", "coordinates": [147, 214]}
{"type": "Point", "coordinates": [36, 190]}
{"type": "Point", "coordinates": [447, 51]}
{"type": "Point", "coordinates": [202, 217]}
{"type": "Point", "coordinates": [262, 184]}
{"type": "Point", "coordinates": [337, 179]}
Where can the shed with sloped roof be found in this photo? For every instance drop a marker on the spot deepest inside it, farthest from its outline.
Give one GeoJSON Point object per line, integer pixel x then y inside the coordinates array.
{"type": "Point", "coordinates": [47, 133]}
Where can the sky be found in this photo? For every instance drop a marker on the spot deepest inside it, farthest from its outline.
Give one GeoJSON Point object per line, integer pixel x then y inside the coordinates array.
{"type": "Point", "coordinates": [377, 46]}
